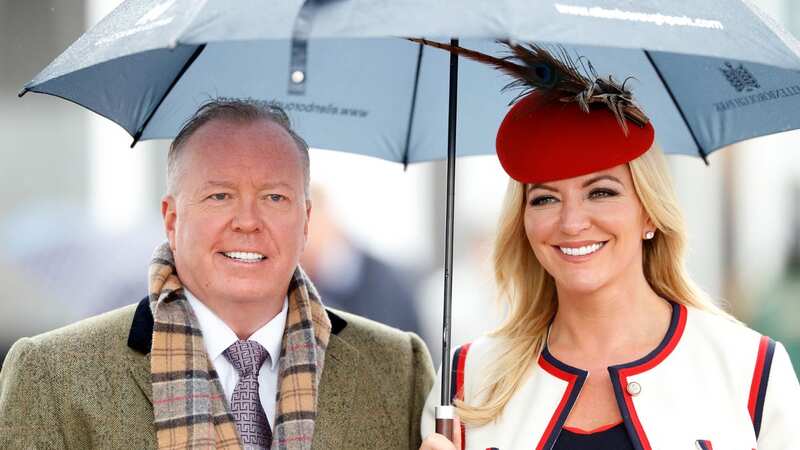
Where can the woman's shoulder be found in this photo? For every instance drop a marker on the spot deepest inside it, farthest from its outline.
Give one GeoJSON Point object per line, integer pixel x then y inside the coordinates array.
{"type": "Point", "coordinates": [720, 339]}
{"type": "Point", "coordinates": [716, 326]}
{"type": "Point", "coordinates": [480, 352]}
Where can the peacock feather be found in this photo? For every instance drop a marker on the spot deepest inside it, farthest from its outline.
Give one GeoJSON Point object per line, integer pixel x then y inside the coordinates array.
{"type": "Point", "coordinates": [558, 77]}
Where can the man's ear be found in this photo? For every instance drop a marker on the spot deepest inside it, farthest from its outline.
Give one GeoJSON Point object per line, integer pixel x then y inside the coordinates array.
{"type": "Point", "coordinates": [170, 217]}
{"type": "Point", "coordinates": [308, 220]}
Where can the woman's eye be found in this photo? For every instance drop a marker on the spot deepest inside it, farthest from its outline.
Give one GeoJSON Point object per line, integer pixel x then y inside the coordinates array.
{"type": "Point", "coordinates": [602, 193]}
{"type": "Point", "coordinates": [543, 200]}
{"type": "Point", "coordinates": [218, 196]}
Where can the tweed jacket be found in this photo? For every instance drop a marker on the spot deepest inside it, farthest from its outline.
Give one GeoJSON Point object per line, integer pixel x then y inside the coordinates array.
{"type": "Point", "coordinates": [710, 384]}
{"type": "Point", "coordinates": [88, 385]}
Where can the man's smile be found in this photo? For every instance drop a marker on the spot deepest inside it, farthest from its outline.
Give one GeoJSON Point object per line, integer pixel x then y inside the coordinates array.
{"type": "Point", "coordinates": [243, 256]}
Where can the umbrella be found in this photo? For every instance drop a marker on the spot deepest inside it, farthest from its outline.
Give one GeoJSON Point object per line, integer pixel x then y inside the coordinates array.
{"type": "Point", "coordinates": [351, 86]}
{"type": "Point", "coordinates": [707, 73]}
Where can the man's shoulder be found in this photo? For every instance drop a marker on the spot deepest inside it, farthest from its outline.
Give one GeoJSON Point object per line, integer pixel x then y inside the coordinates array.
{"type": "Point", "coordinates": [358, 329]}
{"type": "Point", "coordinates": [74, 381]}
{"type": "Point", "coordinates": [107, 332]}
{"type": "Point", "coordinates": [374, 339]}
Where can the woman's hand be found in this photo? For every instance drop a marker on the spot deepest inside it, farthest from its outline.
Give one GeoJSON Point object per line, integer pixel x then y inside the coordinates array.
{"type": "Point", "coordinates": [439, 442]}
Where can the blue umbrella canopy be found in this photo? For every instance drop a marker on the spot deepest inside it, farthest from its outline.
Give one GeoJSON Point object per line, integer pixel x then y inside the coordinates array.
{"type": "Point", "coordinates": [707, 73]}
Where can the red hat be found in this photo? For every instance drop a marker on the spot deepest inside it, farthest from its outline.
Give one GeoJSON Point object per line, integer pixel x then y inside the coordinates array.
{"type": "Point", "coordinates": [567, 121]}
{"type": "Point", "coordinates": [542, 139]}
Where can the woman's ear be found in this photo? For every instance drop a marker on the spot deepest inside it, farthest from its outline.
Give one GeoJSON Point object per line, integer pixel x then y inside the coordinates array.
{"type": "Point", "coordinates": [649, 230]}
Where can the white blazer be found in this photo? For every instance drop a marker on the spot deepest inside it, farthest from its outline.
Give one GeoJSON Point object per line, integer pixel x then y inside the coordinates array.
{"type": "Point", "coordinates": [710, 384]}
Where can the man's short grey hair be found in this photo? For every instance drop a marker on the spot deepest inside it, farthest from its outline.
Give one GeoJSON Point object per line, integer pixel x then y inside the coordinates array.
{"type": "Point", "coordinates": [243, 111]}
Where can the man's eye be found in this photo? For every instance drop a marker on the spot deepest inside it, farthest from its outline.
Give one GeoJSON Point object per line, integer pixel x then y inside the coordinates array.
{"type": "Point", "coordinates": [276, 197]}
{"type": "Point", "coordinates": [218, 196]}
{"type": "Point", "coordinates": [602, 193]}
{"type": "Point", "coordinates": [543, 200]}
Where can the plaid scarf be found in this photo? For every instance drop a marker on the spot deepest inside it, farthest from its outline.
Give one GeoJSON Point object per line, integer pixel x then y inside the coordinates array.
{"type": "Point", "coordinates": [188, 402]}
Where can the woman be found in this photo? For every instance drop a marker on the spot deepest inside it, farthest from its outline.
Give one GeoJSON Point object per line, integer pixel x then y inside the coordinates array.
{"type": "Point", "coordinates": [607, 343]}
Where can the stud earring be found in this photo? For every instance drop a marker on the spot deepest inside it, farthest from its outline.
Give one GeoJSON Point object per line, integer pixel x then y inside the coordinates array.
{"type": "Point", "coordinates": [649, 235]}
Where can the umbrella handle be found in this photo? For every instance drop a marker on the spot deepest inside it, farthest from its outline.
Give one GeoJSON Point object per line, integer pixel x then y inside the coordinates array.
{"type": "Point", "coordinates": [444, 421]}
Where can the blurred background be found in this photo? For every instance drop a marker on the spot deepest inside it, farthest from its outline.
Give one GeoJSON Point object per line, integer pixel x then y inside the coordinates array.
{"type": "Point", "coordinates": [79, 212]}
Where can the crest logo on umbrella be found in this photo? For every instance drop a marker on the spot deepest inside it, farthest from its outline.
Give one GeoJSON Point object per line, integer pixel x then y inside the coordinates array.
{"type": "Point", "coordinates": [739, 77]}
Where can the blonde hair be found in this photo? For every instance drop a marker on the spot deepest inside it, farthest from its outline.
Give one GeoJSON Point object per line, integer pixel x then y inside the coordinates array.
{"type": "Point", "coordinates": [529, 292]}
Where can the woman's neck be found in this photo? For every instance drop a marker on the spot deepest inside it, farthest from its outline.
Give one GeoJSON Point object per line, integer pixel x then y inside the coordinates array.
{"type": "Point", "coordinates": [613, 325]}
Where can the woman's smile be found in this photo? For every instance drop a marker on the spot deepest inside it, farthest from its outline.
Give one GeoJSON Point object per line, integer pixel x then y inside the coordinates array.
{"type": "Point", "coordinates": [579, 251]}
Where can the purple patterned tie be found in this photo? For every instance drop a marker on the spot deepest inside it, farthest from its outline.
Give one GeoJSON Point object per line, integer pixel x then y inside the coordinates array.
{"type": "Point", "coordinates": [251, 421]}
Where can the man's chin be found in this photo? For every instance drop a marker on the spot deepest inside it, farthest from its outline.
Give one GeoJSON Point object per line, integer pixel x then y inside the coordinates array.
{"type": "Point", "coordinates": [250, 297]}
{"type": "Point", "coordinates": [225, 289]}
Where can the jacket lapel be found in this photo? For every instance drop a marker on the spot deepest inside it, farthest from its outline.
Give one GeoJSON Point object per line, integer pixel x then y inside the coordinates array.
{"type": "Point", "coordinates": [140, 341]}
{"type": "Point", "coordinates": [139, 369]}
{"type": "Point", "coordinates": [336, 394]}
{"type": "Point", "coordinates": [336, 387]}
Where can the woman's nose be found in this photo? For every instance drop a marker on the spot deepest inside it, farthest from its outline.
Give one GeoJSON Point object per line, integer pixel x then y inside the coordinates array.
{"type": "Point", "coordinates": [574, 218]}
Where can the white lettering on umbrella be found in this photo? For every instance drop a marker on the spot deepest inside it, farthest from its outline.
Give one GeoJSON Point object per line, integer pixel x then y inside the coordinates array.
{"type": "Point", "coordinates": [633, 16]}
{"type": "Point", "coordinates": [155, 13]}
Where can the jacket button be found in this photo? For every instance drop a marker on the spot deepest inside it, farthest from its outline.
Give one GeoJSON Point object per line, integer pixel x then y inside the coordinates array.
{"type": "Point", "coordinates": [634, 388]}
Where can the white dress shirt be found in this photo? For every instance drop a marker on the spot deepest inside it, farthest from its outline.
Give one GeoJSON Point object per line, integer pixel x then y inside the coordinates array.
{"type": "Point", "coordinates": [218, 336]}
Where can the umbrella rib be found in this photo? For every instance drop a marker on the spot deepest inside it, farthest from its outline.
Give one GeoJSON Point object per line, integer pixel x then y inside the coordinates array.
{"type": "Point", "coordinates": [678, 106]}
{"type": "Point", "coordinates": [152, 113]}
{"type": "Point", "coordinates": [407, 148]}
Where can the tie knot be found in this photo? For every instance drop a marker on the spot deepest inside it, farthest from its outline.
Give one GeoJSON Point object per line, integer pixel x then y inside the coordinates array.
{"type": "Point", "coordinates": [246, 357]}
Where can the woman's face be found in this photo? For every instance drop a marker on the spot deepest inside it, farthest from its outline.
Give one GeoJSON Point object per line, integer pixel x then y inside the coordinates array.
{"type": "Point", "coordinates": [587, 231]}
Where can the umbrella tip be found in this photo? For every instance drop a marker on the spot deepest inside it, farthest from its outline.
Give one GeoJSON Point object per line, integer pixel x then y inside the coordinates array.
{"type": "Point", "coordinates": [22, 92]}
{"type": "Point", "coordinates": [136, 139]}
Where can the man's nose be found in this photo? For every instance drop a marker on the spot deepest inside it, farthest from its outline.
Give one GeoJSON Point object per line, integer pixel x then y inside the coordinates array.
{"type": "Point", "coordinates": [574, 217]}
{"type": "Point", "coordinates": [247, 218]}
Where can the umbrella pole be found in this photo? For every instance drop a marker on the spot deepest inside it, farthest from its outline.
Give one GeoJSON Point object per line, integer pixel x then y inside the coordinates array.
{"type": "Point", "coordinates": [445, 412]}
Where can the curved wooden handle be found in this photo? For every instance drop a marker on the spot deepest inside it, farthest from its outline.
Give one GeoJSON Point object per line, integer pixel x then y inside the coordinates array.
{"type": "Point", "coordinates": [445, 428]}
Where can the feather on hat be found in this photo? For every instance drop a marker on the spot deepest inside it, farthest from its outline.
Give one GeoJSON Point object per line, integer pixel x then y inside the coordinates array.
{"type": "Point", "coordinates": [566, 121]}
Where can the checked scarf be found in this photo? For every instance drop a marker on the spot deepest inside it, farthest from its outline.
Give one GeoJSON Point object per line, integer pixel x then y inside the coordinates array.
{"type": "Point", "coordinates": [188, 402]}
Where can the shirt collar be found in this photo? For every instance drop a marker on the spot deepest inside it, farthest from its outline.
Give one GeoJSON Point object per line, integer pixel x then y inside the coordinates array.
{"type": "Point", "coordinates": [218, 336]}
{"type": "Point", "coordinates": [270, 336]}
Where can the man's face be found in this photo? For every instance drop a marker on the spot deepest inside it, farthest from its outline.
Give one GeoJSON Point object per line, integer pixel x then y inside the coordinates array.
{"type": "Point", "coordinates": [238, 221]}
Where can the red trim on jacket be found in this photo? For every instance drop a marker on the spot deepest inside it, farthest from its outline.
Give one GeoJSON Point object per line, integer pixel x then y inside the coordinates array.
{"type": "Point", "coordinates": [575, 380]}
{"type": "Point", "coordinates": [757, 372]}
{"type": "Point", "coordinates": [758, 386]}
{"type": "Point", "coordinates": [599, 429]}
{"type": "Point", "coordinates": [460, 360]}
{"type": "Point", "coordinates": [705, 445]}
{"type": "Point", "coordinates": [643, 365]}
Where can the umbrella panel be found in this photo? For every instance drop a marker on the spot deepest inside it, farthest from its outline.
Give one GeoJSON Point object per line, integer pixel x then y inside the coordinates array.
{"type": "Point", "coordinates": [104, 88]}
{"type": "Point", "coordinates": [359, 94]}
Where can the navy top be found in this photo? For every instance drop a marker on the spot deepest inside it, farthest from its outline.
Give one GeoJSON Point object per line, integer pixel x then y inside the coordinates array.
{"type": "Point", "coordinates": [615, 437]}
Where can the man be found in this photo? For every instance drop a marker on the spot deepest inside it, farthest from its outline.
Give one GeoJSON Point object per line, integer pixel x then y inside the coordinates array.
{"type": "Point", "coordinates": [232, 348]}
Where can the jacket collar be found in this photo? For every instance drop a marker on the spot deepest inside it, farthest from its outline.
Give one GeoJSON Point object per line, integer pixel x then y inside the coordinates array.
{"type": "Point", "coordinates": [342, 374]}
{"type": "Point", "coordinates": [140, 337]}
{"type": "Point", "coordinates": [652, 359]}
{"type": "Point", "coordinates": [623, 391]}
